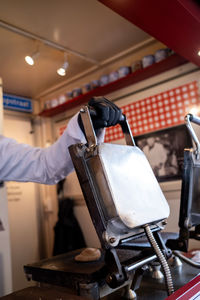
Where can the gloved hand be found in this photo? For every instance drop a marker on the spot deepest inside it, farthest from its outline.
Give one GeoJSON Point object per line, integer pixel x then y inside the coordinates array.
{"type": "Point", "coordinates": [107, 113]}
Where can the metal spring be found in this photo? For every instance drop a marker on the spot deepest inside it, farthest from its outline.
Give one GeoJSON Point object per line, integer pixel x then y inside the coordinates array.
{"type": "Point", "coordinates": [162, 260]}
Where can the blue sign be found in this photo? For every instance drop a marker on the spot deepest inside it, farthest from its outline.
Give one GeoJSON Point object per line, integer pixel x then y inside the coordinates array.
{"type": "Point", "coordinates": [17, 103]}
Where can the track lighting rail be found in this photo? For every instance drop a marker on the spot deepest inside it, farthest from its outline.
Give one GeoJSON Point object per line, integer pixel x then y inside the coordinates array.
{"type": "Point", "coordinates": [49, 43]}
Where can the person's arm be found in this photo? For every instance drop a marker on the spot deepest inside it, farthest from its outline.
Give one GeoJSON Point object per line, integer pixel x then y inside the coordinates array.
{"type": "Point", "coordinates": [21, 162]}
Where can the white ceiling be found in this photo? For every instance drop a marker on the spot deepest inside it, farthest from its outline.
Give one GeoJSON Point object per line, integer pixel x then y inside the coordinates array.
{"type": "Point", "coordinates": [86, 26]}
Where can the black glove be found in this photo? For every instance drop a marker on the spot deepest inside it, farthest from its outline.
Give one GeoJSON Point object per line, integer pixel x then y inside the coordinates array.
{"type": "Point", "coordinates": [107, 113]}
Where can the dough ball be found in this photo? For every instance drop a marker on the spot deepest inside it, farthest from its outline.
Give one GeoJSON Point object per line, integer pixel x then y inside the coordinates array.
{"type": "Point", "coordinates": [88, 254]}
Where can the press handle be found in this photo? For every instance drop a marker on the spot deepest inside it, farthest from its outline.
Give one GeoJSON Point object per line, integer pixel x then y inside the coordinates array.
{"type": "Point", "coordinates": [188, 119]}
{"type": "Point", "coordinates": [94, 114]}
{"type": "Point", "coordinates": [90, 132]}
{"type": "Point", "coordinates": [194, 119]}
{"type": "Point", "coordinates": [88, 127]}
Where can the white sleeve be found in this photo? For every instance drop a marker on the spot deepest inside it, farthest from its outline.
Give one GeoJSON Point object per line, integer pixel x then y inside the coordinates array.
{"type": "Point", "coordinates": [21, 162]}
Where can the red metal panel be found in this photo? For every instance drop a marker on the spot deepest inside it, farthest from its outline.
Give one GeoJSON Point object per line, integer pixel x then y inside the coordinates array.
{"type": "Point", "coordinates": [176, 23]}
{"type": "Point", "coordinates": [189, 291]}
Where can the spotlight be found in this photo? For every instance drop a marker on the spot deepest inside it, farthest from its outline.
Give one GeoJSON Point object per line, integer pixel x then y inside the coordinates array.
{"type": "Point", "coordinates": [62, 71]}
{"type": "Point", "coordinates": [30, 58]}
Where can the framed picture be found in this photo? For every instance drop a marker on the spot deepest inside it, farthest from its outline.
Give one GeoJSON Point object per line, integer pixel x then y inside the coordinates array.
{"type": "Point", "coordinates": [165, 150]}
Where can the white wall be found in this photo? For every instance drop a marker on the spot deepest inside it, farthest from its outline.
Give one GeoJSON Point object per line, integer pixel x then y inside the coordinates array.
{"type": "Point", "coordinates": [23, 208]}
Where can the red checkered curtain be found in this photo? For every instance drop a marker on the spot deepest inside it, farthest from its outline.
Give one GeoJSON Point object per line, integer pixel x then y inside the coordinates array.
{"type": "Point", "coordinates": [158, 111]}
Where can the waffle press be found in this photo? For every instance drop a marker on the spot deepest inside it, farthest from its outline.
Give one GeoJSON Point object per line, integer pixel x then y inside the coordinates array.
{"type": "Point", "coordinates": [125, 203]}
{"type": "Point", "coordinates": [189, 217]}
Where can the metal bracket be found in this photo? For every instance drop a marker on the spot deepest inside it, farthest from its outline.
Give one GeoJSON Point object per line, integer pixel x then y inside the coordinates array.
{"type": "Point", "coordinates": [116, 276]}
{"type": "Point", "coordinates": [88, 127]}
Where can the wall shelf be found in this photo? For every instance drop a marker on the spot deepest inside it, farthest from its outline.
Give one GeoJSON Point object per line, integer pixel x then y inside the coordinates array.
{"type": "Point", "coordinates": [169, 63]}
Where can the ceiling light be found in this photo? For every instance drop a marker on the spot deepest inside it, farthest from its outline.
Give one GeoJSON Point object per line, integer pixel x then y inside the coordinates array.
{"type": "Point", "coordinates": [198, 53]}
{"type": "Point", "coordinates": [62, 71]}
{"type": "Point", "coordinates": [30, 58]}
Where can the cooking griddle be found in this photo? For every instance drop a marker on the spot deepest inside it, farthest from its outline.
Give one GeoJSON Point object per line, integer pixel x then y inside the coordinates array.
{"type": "Point", "coordinates": [85, 279]}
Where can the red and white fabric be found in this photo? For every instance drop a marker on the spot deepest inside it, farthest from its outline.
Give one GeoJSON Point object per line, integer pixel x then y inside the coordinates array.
{"type": "Point", "coordinates": [157, 112]}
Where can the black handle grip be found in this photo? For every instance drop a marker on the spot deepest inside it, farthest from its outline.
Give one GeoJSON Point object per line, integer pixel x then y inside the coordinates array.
{"type": "Point", "coordinates": [123, 122]}
{"type": "Point", "coordinates": [194, 119]}
{"type": "Point", "coordinates": [1, 184]}
{"type": "Point", "coordinates": [94, 113]}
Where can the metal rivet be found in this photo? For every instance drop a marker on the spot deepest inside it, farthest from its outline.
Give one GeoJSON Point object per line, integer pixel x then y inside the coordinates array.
{"type": "Point", "coordinates": [112, 240]}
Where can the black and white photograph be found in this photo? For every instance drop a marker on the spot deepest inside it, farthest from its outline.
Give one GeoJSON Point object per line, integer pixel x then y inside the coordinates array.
{"type": "Point", "coordinates": [165, 149]}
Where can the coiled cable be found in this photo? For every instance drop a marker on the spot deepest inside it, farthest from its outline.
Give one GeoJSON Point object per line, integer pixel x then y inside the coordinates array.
{"type": "Point", "coordinates": [162, 260]}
